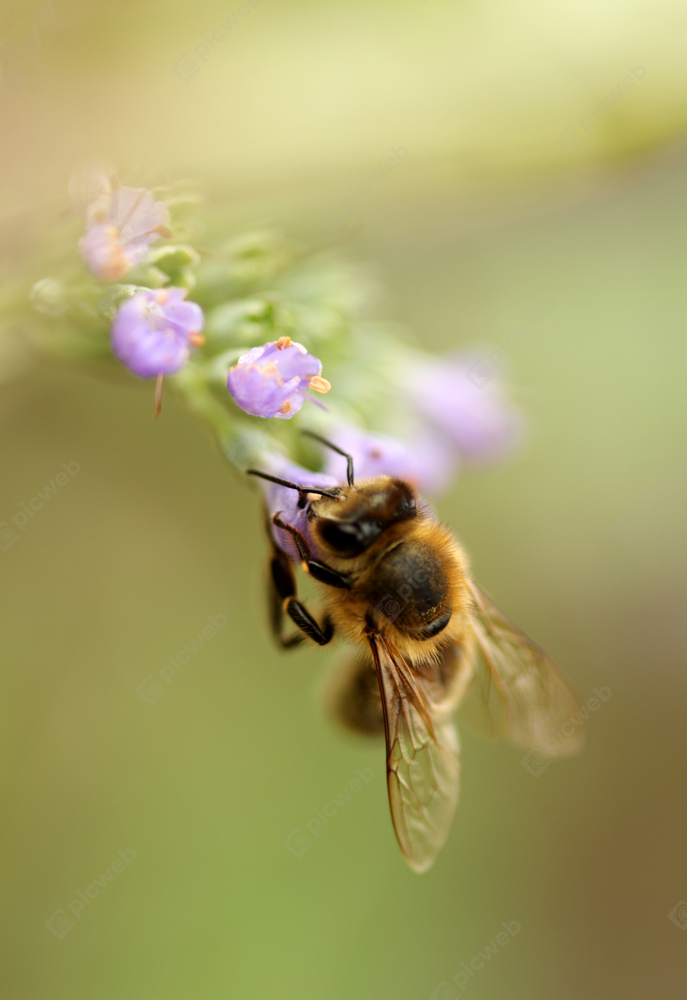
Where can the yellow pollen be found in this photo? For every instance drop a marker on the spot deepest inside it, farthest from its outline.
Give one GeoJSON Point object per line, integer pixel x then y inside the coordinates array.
{"type": "Point", "coordinates": [197, 339]}
{"type": "Point", "coordinates": [283, 342]}
{"type": "Point", "coordinates": [286, 408]}
{"type": "Point", "coordinates": [117, 265]}
{"type": "Point", "coordinates": [320, 384]}
{"type": "Point", "coordinates": [270, 370]}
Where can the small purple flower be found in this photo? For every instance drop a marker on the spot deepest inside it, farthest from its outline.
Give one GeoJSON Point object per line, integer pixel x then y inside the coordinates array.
{"type": "Point", "coordinates": [272, 380]}
{"type": "Point", "coordinates": [473, 416]}
{"type": "Point", "coordinates": [281, 499]}
{"type": "Point", "coordinates": [121, 225]}
{"type": "Point", "coordinates": [152, 332]}
{"type": "Point", "coordinates": [426, 460]}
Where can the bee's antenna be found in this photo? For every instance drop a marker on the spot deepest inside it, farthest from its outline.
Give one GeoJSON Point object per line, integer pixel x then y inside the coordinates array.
{"type": "Point", "coordinates": [292, 486]}
{"type": "Point", "coordinates": [349, 458]}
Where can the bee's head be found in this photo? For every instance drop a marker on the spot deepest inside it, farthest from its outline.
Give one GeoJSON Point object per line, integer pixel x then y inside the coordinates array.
{"type": "Point", "coordinates": [346, 525]}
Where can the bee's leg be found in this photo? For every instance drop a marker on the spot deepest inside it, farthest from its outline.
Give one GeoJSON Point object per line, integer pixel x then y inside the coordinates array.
{"type": "Point", "coordinates": [283, 600]}
{"type": "Point", "coordinates": [281, 586]}
{"type": "Point", "coordinates": [318, 570]}
{"type": "Point", "coordinates": [300, 616]}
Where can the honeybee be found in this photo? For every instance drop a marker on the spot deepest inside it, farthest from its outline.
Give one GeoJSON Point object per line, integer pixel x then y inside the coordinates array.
{"type": "Point", "coordinates": [426, 639]}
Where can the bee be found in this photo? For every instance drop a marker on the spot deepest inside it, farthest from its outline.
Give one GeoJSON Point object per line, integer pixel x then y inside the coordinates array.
{"type": "Point", "coordinates": [396, 584]}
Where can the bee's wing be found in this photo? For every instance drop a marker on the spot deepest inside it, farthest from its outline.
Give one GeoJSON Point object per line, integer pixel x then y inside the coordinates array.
{"type": "Point", "coordinates": [353, 696]}
{"type": "Point", "coordinates": [422, 754]}
{"type": "Point", "coordinates": [519, 694]}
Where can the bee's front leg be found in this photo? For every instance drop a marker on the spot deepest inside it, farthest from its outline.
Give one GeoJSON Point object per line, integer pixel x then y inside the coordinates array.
{"type": "Point", "coordinates": [318, 570]}
{"type": "Point", "coordinates": [281, 585]}
{"type": "Point", "coordinates": [300, 616]}
{"type": "Point", "coordinates": [284, 600]}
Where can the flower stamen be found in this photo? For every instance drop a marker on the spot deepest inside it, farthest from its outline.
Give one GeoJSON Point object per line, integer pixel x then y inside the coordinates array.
{"type": "Point", "coordinates": [319, 384]}
{"type": "Point", "coordinates": [272, 380]}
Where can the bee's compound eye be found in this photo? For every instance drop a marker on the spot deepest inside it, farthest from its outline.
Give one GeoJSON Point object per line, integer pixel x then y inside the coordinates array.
{"type": "Point", "coordinates": [342, 537]}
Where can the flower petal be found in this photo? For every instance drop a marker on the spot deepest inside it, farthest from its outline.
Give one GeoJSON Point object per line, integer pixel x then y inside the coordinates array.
{"type": "Point", "coordinates": [271, 380]}
{"type": "Point", "coordinates": [121, 225]}
{"type": "Point", "coordinates": [281, 499]}
{"type": "Point", "coordinates": [151, 331]}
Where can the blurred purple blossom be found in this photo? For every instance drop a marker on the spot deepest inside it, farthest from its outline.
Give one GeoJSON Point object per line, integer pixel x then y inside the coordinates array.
{"type": "Point", "coordinates": [273, 380]}
{"type": "Point", "coordinates": [472, 415]}
{"type": "Point", "coordinates": [121, 225]}
{"type": "Point", "coordinates": [427, 460]}
{"type": "Point", "coordinates": [152, 332]}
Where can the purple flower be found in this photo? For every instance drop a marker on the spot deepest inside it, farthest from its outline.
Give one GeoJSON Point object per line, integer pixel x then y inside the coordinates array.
{"type": "Point", "coordinates": [425, 460]}
{"type": "Point", "coordinates": [281, 499]}
{"type": "Point", "coordinates": [152, 332]}
{"type": "Point", "coordinates": [121, 225]}
{"type": "Point", "coordinates": [272, 380]}
{"type": "Point", "coordinates": [462, 407]}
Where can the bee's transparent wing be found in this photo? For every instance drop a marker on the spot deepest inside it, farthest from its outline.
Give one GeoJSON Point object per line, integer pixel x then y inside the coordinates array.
{"type": "Point", "coordinates": [518, 694]}
{"type": "Point", "coordinates": [422, 752]}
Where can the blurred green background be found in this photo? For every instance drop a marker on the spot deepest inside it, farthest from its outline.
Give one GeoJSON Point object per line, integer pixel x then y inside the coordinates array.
{"type": "Point", "coordinates": [488, 215]}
